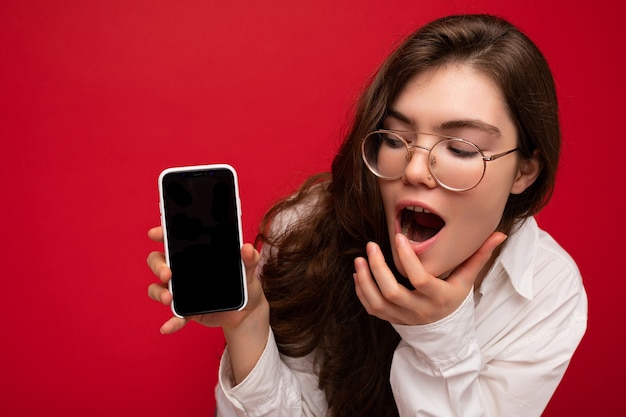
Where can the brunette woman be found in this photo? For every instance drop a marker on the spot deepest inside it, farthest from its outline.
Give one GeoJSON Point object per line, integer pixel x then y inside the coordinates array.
{"type": "Point", "coordinates": [386, 287]}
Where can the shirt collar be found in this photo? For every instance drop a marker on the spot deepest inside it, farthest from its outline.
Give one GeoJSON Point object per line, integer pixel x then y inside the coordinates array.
{"type": "Point", "coordinates": [517, 258]}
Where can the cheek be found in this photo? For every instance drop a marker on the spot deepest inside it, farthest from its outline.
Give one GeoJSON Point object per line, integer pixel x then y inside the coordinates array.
{"type": "Point", "coordinates": [489, 198]}
{"type": "Point", "coordinates": [477, 224]}
{"type": "Point", "coordinates": [499, 179]}
{"type": "Point", "coordinates": [473, 218]}
{"type": "Point", "coordinates": [484, 211]}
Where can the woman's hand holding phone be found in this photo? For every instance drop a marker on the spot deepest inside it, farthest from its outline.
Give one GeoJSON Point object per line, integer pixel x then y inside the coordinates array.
{"type": "Point", "coordinates": [246, 330]}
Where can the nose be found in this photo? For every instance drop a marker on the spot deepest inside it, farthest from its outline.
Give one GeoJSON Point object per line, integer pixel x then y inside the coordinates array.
{"type": "Point", "coordinates": [417, 171]}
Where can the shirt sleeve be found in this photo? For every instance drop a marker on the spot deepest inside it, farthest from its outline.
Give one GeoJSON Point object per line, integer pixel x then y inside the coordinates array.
{"type": "Point", "coordinates": [439, 369]}
{"type": "Point", "coordinates": [276, 386]}
{"type": "Point", "coordinates": [435, 367]}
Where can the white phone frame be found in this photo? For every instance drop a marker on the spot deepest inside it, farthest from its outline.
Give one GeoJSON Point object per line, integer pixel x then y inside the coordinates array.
{"type": "Point", "coordinates": [192, 168]}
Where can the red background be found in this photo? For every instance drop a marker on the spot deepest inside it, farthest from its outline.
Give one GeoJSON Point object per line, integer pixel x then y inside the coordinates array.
{"type": "Point", "coordinates": [97, 97]}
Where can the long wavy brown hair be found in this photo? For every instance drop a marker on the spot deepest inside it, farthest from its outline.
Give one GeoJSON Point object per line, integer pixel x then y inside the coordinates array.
{"type": "Point", "coordinates": [308, 278]}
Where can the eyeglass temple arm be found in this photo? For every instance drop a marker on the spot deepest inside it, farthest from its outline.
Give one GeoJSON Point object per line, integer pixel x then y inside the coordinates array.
{"type": "Point", "coordinates": [498, 155]}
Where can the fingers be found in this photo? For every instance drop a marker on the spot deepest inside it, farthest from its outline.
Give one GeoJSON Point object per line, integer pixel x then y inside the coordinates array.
{"type": "Point", "coordinates": [422, 280]}
{"type": "Point", "coordinates": [156, 259]}
{"type": "Point", "coordinates": [156, 234]}
{"type": "Point", "coordinates": [413, 267]}
{"type": "Point", "coordinates": [361, 282]}
{"type": "Point", "coordinates": [376, 301]}
{"type": "Point", "coordinates": [385, 279]}
{"type": "Point", "coordinates": [173, 325]}
{"type": "Point", "coordinates": [160, 293]}
{"type": "Point", "coordinates": [158, 266]}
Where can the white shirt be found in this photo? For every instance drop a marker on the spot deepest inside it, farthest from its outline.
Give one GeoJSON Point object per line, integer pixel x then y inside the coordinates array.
{"type": "Point", "coordinates": [501, 353]}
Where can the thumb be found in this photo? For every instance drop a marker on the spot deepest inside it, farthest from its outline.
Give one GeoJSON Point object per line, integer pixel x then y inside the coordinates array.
{"type": "Point", "coordinates": [468, 271]}
{"type": "Point", "coordinates": [250, 257]}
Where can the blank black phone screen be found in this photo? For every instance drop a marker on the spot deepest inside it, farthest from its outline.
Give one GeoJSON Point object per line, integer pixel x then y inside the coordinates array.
{"type": "Point", "coordinates": [201, 217]}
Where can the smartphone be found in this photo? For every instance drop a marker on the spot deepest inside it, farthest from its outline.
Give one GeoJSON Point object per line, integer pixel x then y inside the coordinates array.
{"type": "Point", "coordinates": [201, 219]}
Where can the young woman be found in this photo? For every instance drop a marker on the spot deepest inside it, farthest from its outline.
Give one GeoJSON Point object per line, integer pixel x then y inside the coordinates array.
{"type": "Point", "coordinates": [387, 287]}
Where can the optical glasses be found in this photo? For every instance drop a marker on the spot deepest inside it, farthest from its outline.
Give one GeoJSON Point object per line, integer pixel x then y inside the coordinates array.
{"type": "Point", "coordinates": [456, 164]}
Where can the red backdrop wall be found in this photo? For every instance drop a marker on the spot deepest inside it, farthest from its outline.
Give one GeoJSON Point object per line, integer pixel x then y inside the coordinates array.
{"type": "Point", "coordinates": [97, 97]}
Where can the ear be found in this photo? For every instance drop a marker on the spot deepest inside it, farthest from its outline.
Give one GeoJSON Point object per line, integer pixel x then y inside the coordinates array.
{"type": "Point", "coordinates": [527, 172]}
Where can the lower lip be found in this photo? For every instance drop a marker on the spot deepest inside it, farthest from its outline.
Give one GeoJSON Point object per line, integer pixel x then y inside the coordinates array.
{"type": "Point", "coordinates": [420, 247]}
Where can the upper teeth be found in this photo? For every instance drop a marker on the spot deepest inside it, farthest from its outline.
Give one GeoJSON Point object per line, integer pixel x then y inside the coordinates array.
{"type": "Point", "coordinates": [417, 209]}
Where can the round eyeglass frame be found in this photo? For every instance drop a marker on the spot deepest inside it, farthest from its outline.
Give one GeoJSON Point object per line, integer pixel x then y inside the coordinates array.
{"type": "Point", "coordinates": [409, 155]}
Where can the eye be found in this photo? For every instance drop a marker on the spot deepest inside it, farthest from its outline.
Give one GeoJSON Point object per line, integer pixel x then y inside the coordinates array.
{"type": "Point", "coordinates": [389, 140]}
{"type": "Point", "coordinates": [459, 149]}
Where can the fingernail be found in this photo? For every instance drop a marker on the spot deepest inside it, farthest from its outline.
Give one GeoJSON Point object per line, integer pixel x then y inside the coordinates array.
{"type": "Point", "coordinates": [372, 247]}
{"type": "Point", "coordinates": [401, 240]}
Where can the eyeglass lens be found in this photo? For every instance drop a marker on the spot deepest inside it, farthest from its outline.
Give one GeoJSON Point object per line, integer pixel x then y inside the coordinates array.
{"type": "Point", "coordinates": [456, 164]}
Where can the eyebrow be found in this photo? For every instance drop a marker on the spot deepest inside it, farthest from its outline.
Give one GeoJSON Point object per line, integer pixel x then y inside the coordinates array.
{"type": "Point", "coordinates": [450, 124]}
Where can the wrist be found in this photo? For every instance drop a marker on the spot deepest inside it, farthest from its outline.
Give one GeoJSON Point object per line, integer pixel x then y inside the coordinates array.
{"type": "Point", "coordinates": [246, 341]}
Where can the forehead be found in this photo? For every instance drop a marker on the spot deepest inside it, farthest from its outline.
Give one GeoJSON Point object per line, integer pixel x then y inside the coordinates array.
{"type": "Point", "coordinates": [436, 97]}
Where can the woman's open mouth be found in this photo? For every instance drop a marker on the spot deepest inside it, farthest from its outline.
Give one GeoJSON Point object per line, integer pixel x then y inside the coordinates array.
{"type": "Point", "coordinates": [419, 224]}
